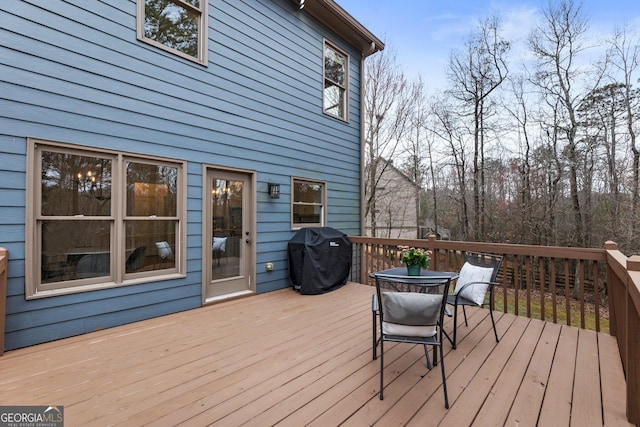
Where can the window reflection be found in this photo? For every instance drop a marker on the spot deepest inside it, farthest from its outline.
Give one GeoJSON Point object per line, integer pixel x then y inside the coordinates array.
{"type": "Point", "coordinates": [151, 190]}
{"type": "Point", "coordinates": [75, 185]}
{"type": "Point", "coordinates": [173, 25]}
{"type": "Point", "coordinates": [79, 216]}
{"type": "Point", "coordinates": [308, 203]}
{"type": "Point", "coordinates": [335, 82]}
{"type": "Point", "coordinates": [75, 250]}
{"type": "Point", "coordinates": [226, 251]}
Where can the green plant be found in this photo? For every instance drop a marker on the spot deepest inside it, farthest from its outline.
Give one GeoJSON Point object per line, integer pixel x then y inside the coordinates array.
{"type": "Point", "coordinates": [415, 256]}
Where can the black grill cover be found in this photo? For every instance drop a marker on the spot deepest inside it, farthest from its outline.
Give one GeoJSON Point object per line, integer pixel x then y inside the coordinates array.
{"type": "Point", "coordinates": [319, 260]}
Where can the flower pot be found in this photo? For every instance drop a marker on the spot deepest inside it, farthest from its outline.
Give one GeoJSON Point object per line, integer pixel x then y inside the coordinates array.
{"type": "Point", "coordinates": [413, 270]}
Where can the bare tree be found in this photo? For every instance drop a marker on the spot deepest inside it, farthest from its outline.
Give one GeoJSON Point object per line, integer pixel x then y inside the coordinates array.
{"type": "Point", "coordinates": [414, 165]}
{"type": "Point", "coordinates": [519, 111]}
{"type": "Point", "coordinates": [476, 73]}
{"type": "Point", "coordinates": [451, 131]}
{"type": "Point", "coordinates": [556, 43]}
{"type": "Point", "coordinates": [600, 114]}
{"type": "Point", "coordinates": [624, 54]}
{"type": "Point", "coordinates": [388, 96]}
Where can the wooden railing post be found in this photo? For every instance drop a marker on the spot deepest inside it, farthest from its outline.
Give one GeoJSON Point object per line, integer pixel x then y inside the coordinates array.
{"type": "Point", "coordinates": [434, 254]}
{"type": "Point", "coordinates": [4, 256]}
{"type": "Point", "coordinates": [633, 339]}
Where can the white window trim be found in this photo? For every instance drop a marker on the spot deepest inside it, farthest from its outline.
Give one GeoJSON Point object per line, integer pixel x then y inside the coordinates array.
{"type": "Point", "coordinates": [323, 215]}
{"type": "Point", "coordinates": [33, 287]}
{"type": "Point", "coordinates": [203, 36]}
{"type": "Point", "coordinates": [334, 47]}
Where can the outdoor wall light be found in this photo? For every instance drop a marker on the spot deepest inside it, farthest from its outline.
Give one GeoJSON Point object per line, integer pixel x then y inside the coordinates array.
{"type": "Point", "coordinates": [274, 190]}
{"type": "Point", "coordinates": [301, 4]}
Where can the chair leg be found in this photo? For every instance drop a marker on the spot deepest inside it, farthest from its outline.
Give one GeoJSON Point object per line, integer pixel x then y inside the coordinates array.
{"type": "Point", "coordinates": [444, 377]}
{"type": "Point", "coordinates": [435, 354]}
{"type": "Point", "coordinates": [494, 324]}
{"type": "Point", "coordinates": [375, 336]}
{"type": "Point", "coordinates": [465, 316]}
{"type": "Point", "coordinates": [426, 354]}
{"type": "Point", "coordinates": [381, 368]}
{"type": "Point", "coordinates": [455, 326]}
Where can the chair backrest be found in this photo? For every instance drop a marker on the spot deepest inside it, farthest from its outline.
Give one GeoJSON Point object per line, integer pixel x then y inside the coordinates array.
{"type": "Point", "coordinates": [164, 249]}
{"type": "Point", "coordinates": [480, 259]}
{"type": "Point", "coordinates": [412, 309]}
{"type": "Point", "coordinates": [476, 275]}
{"type": "Point", "coordinates": [93, 265]}
{"type": "Point", "coordinates": [136, 259]}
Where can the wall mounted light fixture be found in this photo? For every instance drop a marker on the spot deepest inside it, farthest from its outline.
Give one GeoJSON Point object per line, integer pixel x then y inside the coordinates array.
{"type": "Point", "coordinates": [274, 190]}
{"type": "Point", "coordinates": [301, 4]}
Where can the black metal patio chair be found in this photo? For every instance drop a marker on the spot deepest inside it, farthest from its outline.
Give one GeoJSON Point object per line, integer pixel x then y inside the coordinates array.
{"type": "Point", "coordinates": [411, 310]}
{"type": "Point", "coordinates": [135, 261]}
{"type": "Point", "coordinates": [477, 275]}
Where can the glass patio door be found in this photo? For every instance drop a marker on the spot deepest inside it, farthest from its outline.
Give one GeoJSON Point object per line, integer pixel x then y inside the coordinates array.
{"type": "Point", "coordinates": [228, 236]}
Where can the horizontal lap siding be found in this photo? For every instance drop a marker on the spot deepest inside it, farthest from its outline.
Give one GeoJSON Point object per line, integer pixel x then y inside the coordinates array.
{"type": "Point", "coordinates": [74, 72]}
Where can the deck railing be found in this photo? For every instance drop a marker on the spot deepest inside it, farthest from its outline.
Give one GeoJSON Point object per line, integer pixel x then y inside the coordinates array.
{"type": "Point", "coordinates": [595, 288]}
{"type": "Point", "coordinates": [4, 256]}
{"type": "Point", "coordinates": [557, 284]}
{"type": "Point", "coordinates": [624, 308]}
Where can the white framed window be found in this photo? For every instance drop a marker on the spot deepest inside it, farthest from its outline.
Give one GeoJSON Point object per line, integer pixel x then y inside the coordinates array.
{"type": "Point", "coordinates": [178, 26]}
{"type": "Point", "coordinates": [336, 81]}
{"type": "Point", "coordinates": [100, 218]}
{"type": "Point", "coordinates": [308, 203]}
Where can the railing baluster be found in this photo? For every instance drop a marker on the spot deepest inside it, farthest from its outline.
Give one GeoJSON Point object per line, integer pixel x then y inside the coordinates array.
{"type": "Point", "coordinates": [567, 292]}
{"type": "Point", "coordinates": [596, 294]}
{"type": "Point", "coordinates": [516, 283]}
{"type": "Point", "coordinates": [505, 299]}
{"type": "Point", "coordinates": [541, 275]}
{"type": "Point", "coordinates": [552, 279]}
{"type": "Point", "coordinates": [581, 285]}
{"type": "Point", "coordinates": [527, 278]}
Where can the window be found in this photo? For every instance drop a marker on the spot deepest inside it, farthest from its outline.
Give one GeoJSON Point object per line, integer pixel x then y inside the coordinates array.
{"type": "Point", "coordinates": [100, 218]}
{"type": "Point", "coordinates": [179, 26]}
{"type": "Point", "coordinates": [308, 203]}
{"type": "Point", "coordinates": [335, 82]}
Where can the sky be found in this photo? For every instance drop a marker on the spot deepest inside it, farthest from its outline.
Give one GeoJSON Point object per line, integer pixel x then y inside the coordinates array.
{"type": "Point", "coordinates": [424, 32]}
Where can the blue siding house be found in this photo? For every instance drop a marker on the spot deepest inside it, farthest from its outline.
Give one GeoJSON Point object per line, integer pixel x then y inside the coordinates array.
{"type": "Point", "coordinates": [157, 155]}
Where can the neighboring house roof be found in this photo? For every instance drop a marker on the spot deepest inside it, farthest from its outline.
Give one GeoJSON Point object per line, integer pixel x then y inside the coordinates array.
{"type": "Point", "coordinates": [334, 17]}
{"type": "Point", "coordinates": [389, 164]}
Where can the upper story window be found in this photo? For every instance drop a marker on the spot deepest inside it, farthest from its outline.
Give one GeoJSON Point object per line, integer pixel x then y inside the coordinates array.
{"type": "Point", "coordinates": [336, 79]}
{"type": "Point", "coordinates": [308, 202]}
{"type": "Point", "coordinates": [179, 26]}
{"type": "Point", "coordinates": [100, 219]}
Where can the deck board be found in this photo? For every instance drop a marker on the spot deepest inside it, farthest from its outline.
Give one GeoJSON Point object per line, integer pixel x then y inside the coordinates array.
{"type": "Point", "coordinates": [475, 393]}
{"type": "Point", "coordinates": [556, 406]}
{"type": "Point", "coordinates": [586, 409]}
{"type": "Point", "coordinates": [528, 401]}
{"type": "Point", "coordinates": [286, 359]}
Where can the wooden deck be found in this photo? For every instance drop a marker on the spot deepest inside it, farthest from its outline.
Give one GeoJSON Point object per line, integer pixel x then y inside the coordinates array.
{"type": "Point", "coordinates": [286, 359]}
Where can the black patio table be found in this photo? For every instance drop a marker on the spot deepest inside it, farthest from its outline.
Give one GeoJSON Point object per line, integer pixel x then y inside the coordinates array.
{"type": "Point", "coordinates": [426, 277]}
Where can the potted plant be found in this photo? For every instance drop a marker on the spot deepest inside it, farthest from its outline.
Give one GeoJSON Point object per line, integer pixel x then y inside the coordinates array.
{"type": "Point", "coordinates": [415, 259]}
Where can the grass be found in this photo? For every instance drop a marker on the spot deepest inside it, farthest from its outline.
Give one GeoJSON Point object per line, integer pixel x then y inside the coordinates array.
{"type": "Point", "coordinates": [561, 309]}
